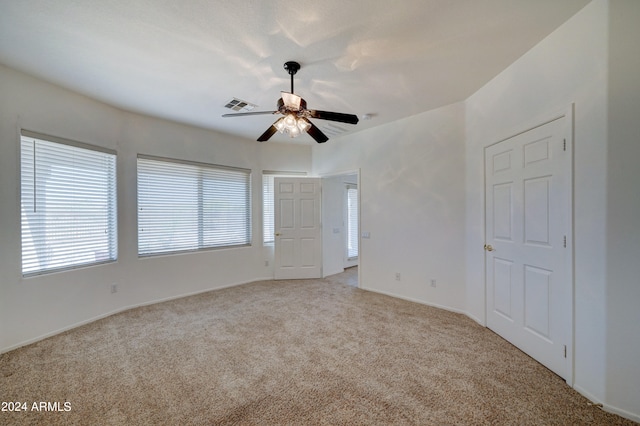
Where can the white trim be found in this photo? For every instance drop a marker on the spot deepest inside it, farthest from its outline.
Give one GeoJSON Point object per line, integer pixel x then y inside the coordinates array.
{"type": "Point", "coordinates": [193, 163]}
{"type": "Point", "coordinates": [348, 261]}
{"type": "Point", "coordinates": [123, 309]}
{"type": "Point", "coordinates": [528, 129]}
{"type": "Point", "coordinates": [569, 114]}
{"type": "Point", "coordinates": [623, 413]}
{"type": "Point", "coordinates": [475, 318]}
{"type": "Point", "coordinates": [606, 407]}
{"type": "Point", "coordinates": [358, 173]}
{"type": "Point", "coordinates": [283, 173]}
{"type": "Point", "coordinates": [64, 141]}
{"type": "Point", "coordinates": [334, 174]}
{"type": "Point", "coordinates": [535, 122]}
{"type": "Point", "coordinates": [421, 302]}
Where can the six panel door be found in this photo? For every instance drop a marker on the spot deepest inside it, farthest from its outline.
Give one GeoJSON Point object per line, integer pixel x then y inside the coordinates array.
{"type": "Point", "coordinates": [298, 239]}
{"type": "Point", "coordinates": [527, 193]}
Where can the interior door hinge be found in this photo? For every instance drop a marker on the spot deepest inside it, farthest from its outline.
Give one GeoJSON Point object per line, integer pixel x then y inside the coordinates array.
{"type": "Point", "coordinates": [564, 144]}
{"type": "Point", "coordinates": [565, 351]}
{"type": "Point", "coordinates": [564, 243]}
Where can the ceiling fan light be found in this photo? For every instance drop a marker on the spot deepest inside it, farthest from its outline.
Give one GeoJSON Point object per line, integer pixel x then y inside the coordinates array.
{"type": "Point", "coordinates": [293, 131]}
{"type": "Point", "coordinates": [303, 125]}
{"type": "Point", "coordinates": [280, 125]}
{"type": "Point", "coordinates": [290, 121]}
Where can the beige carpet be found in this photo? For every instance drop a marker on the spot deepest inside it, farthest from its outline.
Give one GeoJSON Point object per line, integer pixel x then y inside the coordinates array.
{"type": "Point", "coordinates": [287, 352]}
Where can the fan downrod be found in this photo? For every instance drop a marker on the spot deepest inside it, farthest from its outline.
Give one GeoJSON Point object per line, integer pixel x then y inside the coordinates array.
{"type": "Point", "coordinates": [292, 68]}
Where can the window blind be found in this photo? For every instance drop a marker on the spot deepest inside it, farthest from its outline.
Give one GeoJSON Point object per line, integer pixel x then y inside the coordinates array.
{"type": "Point", "coordinates": [68, 204]}
{"type": "Point", "coordinates": [268, 224]}
{"type": "Point", "coordinates": [352, 222]}
{"type": "Point", "coordinates": [191, 206]}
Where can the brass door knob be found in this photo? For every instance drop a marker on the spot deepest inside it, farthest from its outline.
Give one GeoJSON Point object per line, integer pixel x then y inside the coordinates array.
{"type": "Point", "coordinates": [488, 247]}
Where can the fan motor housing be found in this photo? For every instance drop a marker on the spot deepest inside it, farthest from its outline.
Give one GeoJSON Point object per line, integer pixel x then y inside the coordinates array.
{"type": "Point", "coordinates": [292, 67]}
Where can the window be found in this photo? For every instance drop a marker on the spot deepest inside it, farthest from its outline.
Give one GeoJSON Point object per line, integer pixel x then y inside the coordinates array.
{"type": "Point", "coordinates": [68, 204]}
{"type": "Point", "coordinates": [185, 206]}
{"type": "Point", "coordinates": [268, 221]}
{"type": "Point", "coordinates": [352, 222]}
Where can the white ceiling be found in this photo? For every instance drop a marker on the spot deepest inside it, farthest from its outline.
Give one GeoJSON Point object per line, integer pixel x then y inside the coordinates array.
{"type": "Point", "coordinates": [184, 60]}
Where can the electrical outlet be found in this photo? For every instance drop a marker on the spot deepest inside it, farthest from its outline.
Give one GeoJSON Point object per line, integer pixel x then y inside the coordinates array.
{"type": "Point", "coordinates": [114, 288]}
{"type": "Point", "coordinates": [397, 276]}
{"type": "Point", "coordinates": [433, 282]}
{"type": "Point", "coordinates": [266, 263]}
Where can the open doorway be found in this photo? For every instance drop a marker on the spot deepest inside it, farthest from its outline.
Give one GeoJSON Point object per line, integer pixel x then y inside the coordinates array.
{"type": "Point", "coordinates": [340, 219]}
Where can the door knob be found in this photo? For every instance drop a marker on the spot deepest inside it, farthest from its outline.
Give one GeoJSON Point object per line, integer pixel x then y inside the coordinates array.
{"type": "Point", "coordinates": [277, 234]}
{"type": "Point", "coordinates": [488, 247]}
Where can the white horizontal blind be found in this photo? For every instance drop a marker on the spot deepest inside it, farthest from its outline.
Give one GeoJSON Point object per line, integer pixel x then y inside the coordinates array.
{"type": "Point", "coordinates": [268, 225]}
{"type": "Point", "coordinates": [68, 205]}
{"type": "Point", "coordinates": [189, 206]}
{"type": "Point", "coordinates": [352, 222]}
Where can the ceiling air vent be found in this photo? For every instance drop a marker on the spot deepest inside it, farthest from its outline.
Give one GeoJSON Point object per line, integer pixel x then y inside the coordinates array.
{"type": "Point", "coordinates": [240, 105]}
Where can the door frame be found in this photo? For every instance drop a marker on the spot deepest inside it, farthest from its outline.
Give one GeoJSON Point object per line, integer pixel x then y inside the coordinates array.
{"type": "Point", "coordinates": [295, 272]}
{"type": "Point", "coordinates": [345, 214]}
{"type": "Point", "coordinates": [569, 115]}
{"type": "Point", "coordinates": [356, 172]}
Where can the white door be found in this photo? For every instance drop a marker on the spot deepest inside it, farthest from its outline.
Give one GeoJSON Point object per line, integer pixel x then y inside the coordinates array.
{"type": "Point", "coordinates": [528, 258]}
{"type": "Point", "coordinates": [298, 235]}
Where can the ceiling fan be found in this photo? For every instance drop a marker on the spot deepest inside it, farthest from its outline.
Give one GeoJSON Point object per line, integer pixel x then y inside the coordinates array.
{"type": "Point", "coordinates": [295, 120]}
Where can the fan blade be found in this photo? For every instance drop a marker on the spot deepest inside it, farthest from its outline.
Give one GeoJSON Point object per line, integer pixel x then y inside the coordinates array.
{"type": "Point", "coordinates": [266, 135]}
{"type": "Point", "coordinates": [316, 133]}
{"type": "Point", "coordinates": [240, 114]}
{"type": "Point", "coordinates": [291, 101]}
{"type": "Point", "coordinates": [334, 116]}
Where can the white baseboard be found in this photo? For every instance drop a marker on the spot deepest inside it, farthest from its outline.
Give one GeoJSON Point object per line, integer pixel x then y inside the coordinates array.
{"type": "Point", "coordinates": [476, 319]}
{"type": "Point", "coordinates": [621, 413]}
{"type": "Point", "coordinates": [607, 407]}
{"type": "Point", "coordinates": [422, 302]}
{"type": "Point", "coordinates": [123, 309]}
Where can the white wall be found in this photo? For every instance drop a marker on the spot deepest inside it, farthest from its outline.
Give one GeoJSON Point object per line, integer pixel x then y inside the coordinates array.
{"type": "Point", "coordinates": [412, 203]}
{"type": "Point", "coordinates": [413, 172]}
{"type": "Point", "coordinates": [579, 64]}
{"type": "Point", "coordinates": [568, 66]}
{"type": "Point", "coordinates": [38, 306]}
{"type": "Point", "coordinates": [623, 212]}
{"type": "Point", "coordinates": [421, 188]}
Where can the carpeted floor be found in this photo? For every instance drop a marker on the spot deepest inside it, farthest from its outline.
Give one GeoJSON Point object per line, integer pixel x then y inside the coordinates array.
{"type": "Point", "coordinates": [287, 352]}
